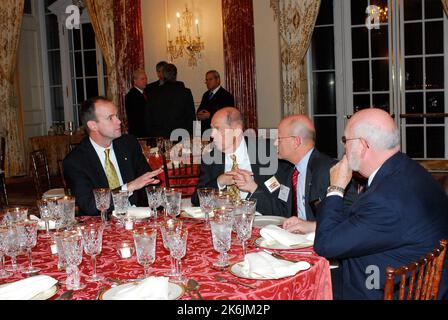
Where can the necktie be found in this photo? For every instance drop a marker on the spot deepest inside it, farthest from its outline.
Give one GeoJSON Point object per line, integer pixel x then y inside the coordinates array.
{"type": "Point", "coordinates": [294, 179]}
{"type": "Point", "coordinates": [145, 96]}
{"type": "Point", "coordinates": [111, 174]}
{"type": "Point", "coordinates": [233, 189]}
{"type": "Point", "coordinates": [210, 95]}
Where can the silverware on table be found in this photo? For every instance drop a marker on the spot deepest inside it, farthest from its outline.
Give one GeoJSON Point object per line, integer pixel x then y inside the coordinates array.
{"type": "Point", "coordinates": [222, 279]}
{"type": "Point", "coordinates": [67, 295]}
{"type": "Point", "coordinates": [193, 286]}
{"type": "Point", "coordinates": [101, 290]}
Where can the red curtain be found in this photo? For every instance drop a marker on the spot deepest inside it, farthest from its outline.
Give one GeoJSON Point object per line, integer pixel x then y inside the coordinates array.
{"type": "Point", "coordinates": [129, 47]}
{"type": "Point", "coordinates": [239, 56]}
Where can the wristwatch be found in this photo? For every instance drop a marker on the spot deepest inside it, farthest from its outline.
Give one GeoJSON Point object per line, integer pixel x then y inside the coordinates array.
{"type": "Point", "coordinates": [335, 189]}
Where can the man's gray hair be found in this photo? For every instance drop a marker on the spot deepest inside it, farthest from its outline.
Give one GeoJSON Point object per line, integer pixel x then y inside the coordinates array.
{"type": "Point", "coordinates": [215, 74]}
{"type": "Point", "coordinates": [137, 73]}
{"type": "Point", "coordinates": [377, 137]}
{"type": "Point", "coordinates": [298, 129]}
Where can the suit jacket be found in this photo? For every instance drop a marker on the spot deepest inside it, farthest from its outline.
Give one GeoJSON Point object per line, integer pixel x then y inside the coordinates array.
{"type": "Point", "coordinates": [222, 98]}
{"type": "Point", "coordinates": [398, 219]}
{"type": "Point", "coordinates": [150, 87]}
{"type": "Point", "coordinates": [170, 107]}
{"type": "Point", "coordinates": [83, 171]}
{"type": "Point", "coordinates": [135, 103]}
{"type": "Point", "coordinates": [209, 173]}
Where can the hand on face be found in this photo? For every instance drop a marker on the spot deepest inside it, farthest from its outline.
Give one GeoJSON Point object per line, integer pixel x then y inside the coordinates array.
{"type": "Point", "coordinates": [340, 173]}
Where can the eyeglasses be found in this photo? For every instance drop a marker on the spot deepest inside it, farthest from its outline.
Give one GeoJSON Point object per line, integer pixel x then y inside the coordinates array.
{"type": "Point", "coordinates": [344, 139]}
{"type": "Point", "coordinates": [279, 138]}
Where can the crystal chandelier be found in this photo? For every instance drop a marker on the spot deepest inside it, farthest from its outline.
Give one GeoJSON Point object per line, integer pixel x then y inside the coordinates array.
{"type": "Point", "coordinates": [185, 41]}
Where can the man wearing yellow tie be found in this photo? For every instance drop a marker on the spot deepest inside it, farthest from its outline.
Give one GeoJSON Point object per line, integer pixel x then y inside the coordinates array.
{"type": "Point", "coordinates": [106, 158]}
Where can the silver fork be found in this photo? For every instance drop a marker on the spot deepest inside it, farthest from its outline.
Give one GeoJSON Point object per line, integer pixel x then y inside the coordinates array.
{"type": "Point", "coordinates": [221, 279]}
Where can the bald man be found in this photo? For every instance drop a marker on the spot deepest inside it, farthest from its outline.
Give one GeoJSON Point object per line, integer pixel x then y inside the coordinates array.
{"type": "Point", "coordinates": [400, 217]}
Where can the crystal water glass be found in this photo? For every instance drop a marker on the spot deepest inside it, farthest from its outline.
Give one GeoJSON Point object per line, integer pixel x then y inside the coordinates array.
{"type": "Point", "coordinates": [163, 200]}
{"type": "Point", "coordinates": [3, 248]}
{"type": "Point", "coordinates": [102, 202]}
{"type": "Point", "coordinates": [58, 236]}
{"type": "Point", "coordinates": [177, 242]}
{"type": "Point", "coordinates": [45, 215]}
{"type": "Point", "coordinates": [207, 203]}
{"type": "Point", "coordinates": [154, 195]}
{"type": "Point", "coordinates": [92, 241]}
{"type": "Point", "coordinates": [145, 246]}
{"type": "Point", "coordinates": [243, 223]}
{"type": "Point", "coordinates": [166, 227]}
{"type": "Point", "coordinates": [13, 244]}
{"type": "Point", "coordinates": [72, 247]}
{"type": "Point", "coordinates": [68, 211]}
{"type": "Point", "coordinates": [121, 204]}
{"type": "Point", "coordinates": [173, 202]}
{"type": "Point", "coordinates": [16, 214]}
{"type": "Point", "coordinates": [56, 211]}
{"type": "Point", "coordinates": [30, 240]}
{"type": "Point", "coordinates": [221, 226]}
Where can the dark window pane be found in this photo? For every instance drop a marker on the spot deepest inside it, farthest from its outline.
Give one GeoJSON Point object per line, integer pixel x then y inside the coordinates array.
{"type": "Point", "coordinates": [54, 68]}
{"type": "Point", "coordinates": [412, 39]}
{"type": "Point", "coordinates": [325, 128]}
{"type": "Point", "coordinates": [433, 9]}
{"type": "Point", "coordinates": [77, 39]}
{"type": "Point", "coordinates": [88, 36]}
{"type": "Point", "coordinates": [92, 87]}
{"type": "Point", "coordinates": [381, 101]}
{"type": "Point", "coordinates": [435, 103]}
{"type": "Point", "coordinates": [90, 63]}
{"type": "Point", "coordinates": [414, 73]}
{"type": "Point", "coordinates": [361, 101]}
{"type": "Point", "coordinates": [325, 13]}
{"type": "Point", "coordinates": [358, 11]}
{"type": "Point", "coordinates": [414, 104]}
{"type": "Point", "coordinates": [323, 48]}
{"type": "Point", "coordinates": [361, 76]}
{"type": "Point", "coordinates": [434, 37]}
{"type": "Point", "coordinates": [52, 32]}
{"type": "Point", "coordinates": [380, 42]}
{"type": "Point", "coordinates": [27, 8]}
{"type": "Point", "coordinates": [414, 142]}
{"type": "Point", "coordinates": [324, 93]}
{"type": "Point", "coordinates": [435, 142]}
{"type": "Point", "coordinates": [80, 90]}
{"type": "Point", "coordinates": [78, 64]}
{"type": "Point", "coordinates": [412, 9]}
{"type": "Point", "coordinates": [380, 75]}
{"type": "Point", "coordinates": [434, 73]}
{"type": "Point", "coordinates": [360, 43]}
{"type": "Point", "coordinates": [57, 104]}
{"type": "Point", "coordinates": [48, 3]}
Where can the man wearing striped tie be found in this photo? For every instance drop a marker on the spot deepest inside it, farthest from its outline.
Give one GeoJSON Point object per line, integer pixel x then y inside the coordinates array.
{"type": "Point", "coordinates": [106, 159]}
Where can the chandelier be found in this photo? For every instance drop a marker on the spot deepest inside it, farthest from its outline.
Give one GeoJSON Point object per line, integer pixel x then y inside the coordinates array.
{"type": "Point", "coordinates": [185, 42]}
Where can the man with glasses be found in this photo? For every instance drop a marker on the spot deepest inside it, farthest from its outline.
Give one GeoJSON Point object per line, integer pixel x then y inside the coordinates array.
{"type": "Point", "coordinates": [400, 217]}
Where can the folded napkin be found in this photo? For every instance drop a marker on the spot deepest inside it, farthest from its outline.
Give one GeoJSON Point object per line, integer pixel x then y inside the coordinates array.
{"type": "Point", "coordinates": [263, 265]}
{"type": "Point", "coordinates": [41, 223]}
{"type": "Point", "coordinates": [139, 212]}
{"type": "Point", "coordinates": [152, 288]}
{"type": "Point", "coordinates": [272, 233]}
{"type": "Point", "coordinates": [196, 212]}
{"type": "Point", "coordinates": [27, 288]}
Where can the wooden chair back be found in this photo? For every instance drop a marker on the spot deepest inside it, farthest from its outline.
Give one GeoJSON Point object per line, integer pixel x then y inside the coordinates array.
{"type": "Point", "coordinates": [419, 280]}
{"type": "Point", "coordinates": [72, 146]}
{"type": "Point", "coordinates": [40, 172]}
{"type": "Point", "coordinates": [182, 175]}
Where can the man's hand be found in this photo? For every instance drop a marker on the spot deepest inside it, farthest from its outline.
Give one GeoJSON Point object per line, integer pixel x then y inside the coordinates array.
{"type": "Point", "coordinates": [244, 180]}
{"type": "Point", "coordinates": [340, 173]}
{"type": "Point", "coordinates": [226, 179]}
{"type": "Point", "coordinates": [203, 115]}
{"type": "Point", "coordinates": [144, 180]}
{"type": "Point", "coordinates": [297, 225]}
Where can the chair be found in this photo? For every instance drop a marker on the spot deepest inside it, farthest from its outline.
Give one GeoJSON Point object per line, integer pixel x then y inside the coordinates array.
{"type": "Point", "coordinates": [421, 278]}
{"type": "Point", "coordinates": [182, 175]}
{"type": "Point", "coordinates": [72, 146]}
{"type": "Point", "coordinates": [3, 193]}
{"type": "Point", "coordinates": [61, 173]}
{"type": "Point", "coordinates": [41, 174]}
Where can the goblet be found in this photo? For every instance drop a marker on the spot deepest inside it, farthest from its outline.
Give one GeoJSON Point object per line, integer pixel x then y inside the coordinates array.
{"type": "Point", "coordinates": [177, 242]}
{"type": "Point", "coordinates": [207, 203]}
{"type": "Point", "coordinates": [15, 214]}
{"type": "Point", "coordinates": [243, 223]}
{"type": "Point", "coordinates": [166, 227]}
{"type": "Point", "coordinates": [13, 245]}
{"type": "Point", "coordinates": [72, 246]}
{"type": "Point", "coordinates": [68, 211]}
{"type": "Point", "coordinates": [121, 204]}
{"type": "Point", "coordinates": [173, 201]}
{"type": "Point", "coordinates": [3, 247]}
{"type": "Point", "coordinates": [56, 211]}
{"type": "Point", "coordinates": [221, 226]}
{"type": "Point", "coordinates": [145, 246]}
{"type": "Point", "coordinates": [45, 215]}
{"type": "Point", "coordinates": [154, 200]}
{"type": "Point", "coordinates": [30, 237]}
{"type": "Point", "coordinates": [102, 201]}
{"type": "Point", "coordinates": [92, 240]}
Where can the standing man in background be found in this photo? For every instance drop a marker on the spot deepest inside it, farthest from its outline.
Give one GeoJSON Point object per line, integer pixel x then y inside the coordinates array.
{"type": "Point", "coordinates": [135, 104]}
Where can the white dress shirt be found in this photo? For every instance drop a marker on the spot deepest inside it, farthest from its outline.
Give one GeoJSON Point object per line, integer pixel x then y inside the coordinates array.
{"type": "Point", "coordinates": [301, 180]}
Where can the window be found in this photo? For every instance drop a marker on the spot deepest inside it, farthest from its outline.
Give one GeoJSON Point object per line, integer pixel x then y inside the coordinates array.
{"type": "Point", "coordinates": [400, 67]}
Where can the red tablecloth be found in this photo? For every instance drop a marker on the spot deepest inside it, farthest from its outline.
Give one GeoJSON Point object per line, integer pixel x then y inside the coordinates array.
{"type": "Point", "coordinates": [314, 283]}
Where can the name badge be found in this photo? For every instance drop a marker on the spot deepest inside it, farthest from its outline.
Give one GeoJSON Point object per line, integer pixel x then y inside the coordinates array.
{"type": "Point", "coordinates": [284, 193]}
{"type": "Point", "coordinates": [272, 184]}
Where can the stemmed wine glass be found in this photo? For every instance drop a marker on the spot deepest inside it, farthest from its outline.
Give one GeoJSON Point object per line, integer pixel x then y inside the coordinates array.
{"type": "Point", "coordinates": [92, 240]}
{"type": "Point", "coordinates": [173, 202]}
{"type": "Point", "coordinates": [243, 224]}
{"type": "Point", "coordinates": [154, 195]}
{"type": "Point", "coordinates": [56, 211]}
{"type": "Point", "coordinates": [167, 227]}
{"type": "Point", "coordinates": [72, 246]}
{"type": "Point", "coordinates": [207, 203]}
{"type": "Point", "coordinates": [221, 226]}
{"type": "Point", "coordinates": [45, 215]}
{"type": "Point", "coordinates": [121, 204]}
{"type": "Point", "coordinates": [13, 245]}
{"type": "Point", "coordinates": [177, 243]}
{"type": "Point", "coordinates": [102, 201]}
{"type": "Point", "coordinates": [145, 246]}
{"type": "Point", "coordinates": [30, 241]}
{"type": "Point", "coordinates": [3, 247]}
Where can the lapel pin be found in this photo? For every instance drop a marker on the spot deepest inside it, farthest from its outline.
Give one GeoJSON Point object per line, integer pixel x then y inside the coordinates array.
{"type": "Point", "coordinates": [126, 159]}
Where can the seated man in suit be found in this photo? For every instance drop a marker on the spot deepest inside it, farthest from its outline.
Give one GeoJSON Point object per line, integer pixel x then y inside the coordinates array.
{"type": "Point", "coordinates": [215, 98]}
{"type": "Point", "coordinates": [233, 152]}
{"type": "Point", "coordinates": [135, 103]}
{"type": "Point", "coordinates": [400, 217]}
{"type": "Point", "coordinates": [106, 158]}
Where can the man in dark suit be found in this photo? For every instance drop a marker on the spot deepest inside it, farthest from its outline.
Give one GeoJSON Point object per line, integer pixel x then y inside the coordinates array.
{"type": "Point", "coordinates": [252, 155]}
{"type": "Point", "coordinates": [151, 87]}
{"type": "Point", "coordinates": [106, 159]}
{"type": "Point", "coordinates": [399, 218]}
{"type": "Point", "coordinates": [171, 106]}
{"type": "Point", "coordinates": [215, 98]}
{"type": "Point", "coordinates": [135, 103]}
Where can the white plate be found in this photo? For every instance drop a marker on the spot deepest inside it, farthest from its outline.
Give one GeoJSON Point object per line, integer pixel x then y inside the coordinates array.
{"type": "Point", "coordinates": [52, 193]}
{"type": "Point", "coordinates": [175, 291]}
{"type": "Point", "coordinates": [237, 270]}
{"type": "Point", "coordinates": [263, 243]}
{"type": "Point", "coordinates": [44, 295]}
{"type": "Point", "coordinates": [262, 221]}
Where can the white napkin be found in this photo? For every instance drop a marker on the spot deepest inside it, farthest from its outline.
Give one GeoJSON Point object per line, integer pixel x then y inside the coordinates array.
{"type": "Point", "coordinates": [273, 233]}
{"type": "Point", "coordinates": [263, 265]}
{"type": "Point", "coordinates": [152, 288]}
{"type": "Point", "coordinates": [41, 223]}
{"type": "Point", "coordinates": [196, 212]}
{"type": "Point", "coordinates": [27, 288]}
{"type": "Point", "coordinates": [139, 212]}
